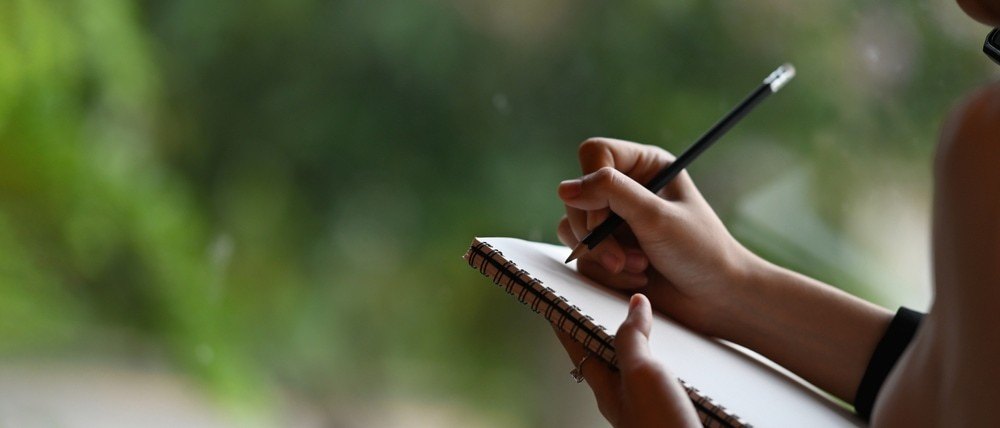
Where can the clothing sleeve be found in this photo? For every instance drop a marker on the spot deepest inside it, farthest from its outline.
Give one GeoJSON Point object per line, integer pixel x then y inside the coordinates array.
{"type": "Point", "coordinates": [897, 337]}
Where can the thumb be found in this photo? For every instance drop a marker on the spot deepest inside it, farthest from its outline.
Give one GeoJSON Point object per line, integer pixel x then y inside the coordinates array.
{"type": "Point", "coordinates": [632, 339]}
{"type": "Point", "coordinates": [609, 188]}
{"type": "Point", "coordinates": [653, 394]}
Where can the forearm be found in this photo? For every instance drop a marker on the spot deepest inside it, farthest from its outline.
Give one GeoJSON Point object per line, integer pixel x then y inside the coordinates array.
{"type": "Point", "coordinates": [818, 332]}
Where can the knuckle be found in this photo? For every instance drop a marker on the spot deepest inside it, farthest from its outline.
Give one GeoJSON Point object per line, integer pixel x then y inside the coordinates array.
{"type": "Point", "coordinates": [663, 153]}
{"type": "Point", "coordinates": [628, 324]}
{"type": "Point", "coordinates": [605, 177]}
{"type": "Point", "coordinates": [595, 151]}
{"type": "Point", "coordinates": [592, 146]}
{"type": "Point", "coordinates": [592, 269]}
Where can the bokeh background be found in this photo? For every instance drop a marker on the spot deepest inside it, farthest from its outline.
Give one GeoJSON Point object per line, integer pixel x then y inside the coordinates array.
{"type": "Point", "coordinates": [251, 213]}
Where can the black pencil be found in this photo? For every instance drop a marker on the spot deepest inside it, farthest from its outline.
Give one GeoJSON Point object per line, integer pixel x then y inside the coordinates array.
{"type": "Point", "coordinates": [771, 84]}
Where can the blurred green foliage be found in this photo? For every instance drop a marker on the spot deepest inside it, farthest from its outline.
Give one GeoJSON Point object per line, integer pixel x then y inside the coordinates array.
{"type": "Point", "coordinates": [274, 195]}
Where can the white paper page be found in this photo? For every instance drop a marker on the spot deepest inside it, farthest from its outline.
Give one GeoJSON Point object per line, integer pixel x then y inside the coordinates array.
{"type": "Point", "coordinates": [758, 394]}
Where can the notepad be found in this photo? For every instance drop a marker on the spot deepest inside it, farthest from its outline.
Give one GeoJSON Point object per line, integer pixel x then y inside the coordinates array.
{"type": "Point", "coordinates": [728, 385]}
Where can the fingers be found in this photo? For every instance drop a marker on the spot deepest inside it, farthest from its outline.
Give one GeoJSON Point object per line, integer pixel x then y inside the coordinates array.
{"type": "Point", "coordinates": [632, 339]}
{"type": "Point", "coordinates": [602, 381]}
{"type": "Point", "coordinates": [596, 153]}
{"type": "Point", "coordinates": [609, 188]}
{"type": "Point", "coordinates": [609, 253]}
{"type": "Point", "coordinates": [577, 222]}
{"type": "Point", "coordinates": [596, 372]}
{"type": "Point", "coordinates": [628, 275]}
{"type": "Point", "coordinates": [565, 233]}
{"type": "Point", "coordinates": [647, 385]}
{"type": "Point", "coordinates": [635, 261]}
{"type": "Point", "coordinates": [635, 160]}
{"type": "Point", "coordinates": [639, 161]}
{"type": "Point", "coordinates": [624, 280]}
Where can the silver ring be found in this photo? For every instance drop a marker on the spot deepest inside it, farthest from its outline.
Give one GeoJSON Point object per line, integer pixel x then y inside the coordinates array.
{"type": "Point", "coordinates": [577, 371]}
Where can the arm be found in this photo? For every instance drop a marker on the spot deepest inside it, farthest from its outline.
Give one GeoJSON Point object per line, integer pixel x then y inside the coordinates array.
{"type": "Point", "coordinates": [677, 252]}
{"type": "Point", "coordinates": [817, 331]}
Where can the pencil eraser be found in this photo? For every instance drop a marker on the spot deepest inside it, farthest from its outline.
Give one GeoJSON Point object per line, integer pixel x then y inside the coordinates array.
{"type": "Point", "coordinates": [780, 77]}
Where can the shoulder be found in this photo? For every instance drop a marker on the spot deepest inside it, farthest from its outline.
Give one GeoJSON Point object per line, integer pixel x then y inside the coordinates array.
{"type": "Point", "coordinates": [966, 238]}
{"type": "Point", "coordinates": [967, 190]}
{"type": "Point", "coordinates": [970, 139]}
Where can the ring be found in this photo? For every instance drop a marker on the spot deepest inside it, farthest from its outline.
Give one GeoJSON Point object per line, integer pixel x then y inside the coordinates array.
{"type": "Point", "coordinates": [577, 371]}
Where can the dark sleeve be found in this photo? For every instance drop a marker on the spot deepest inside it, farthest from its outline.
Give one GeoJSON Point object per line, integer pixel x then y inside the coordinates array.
{"type": "Point", "coordinates": [897, 337]}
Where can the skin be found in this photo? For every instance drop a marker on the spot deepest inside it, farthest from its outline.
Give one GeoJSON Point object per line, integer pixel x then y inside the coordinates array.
{"type": "Point", "coordinates": [641, 393]}
{"type": "Point", "coordinates": [950, 374]}
{"type": "Point", "coordinates": [677, 252]}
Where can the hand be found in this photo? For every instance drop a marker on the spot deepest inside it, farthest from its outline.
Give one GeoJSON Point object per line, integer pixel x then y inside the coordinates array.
{"type": "Point", "coordinates": [674, 247]}
{"type": "Point", "coordinates": [642, 393]}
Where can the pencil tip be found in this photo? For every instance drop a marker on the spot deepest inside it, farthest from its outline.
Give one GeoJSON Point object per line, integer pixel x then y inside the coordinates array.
{"type": "Point", "coordinates": [578, 251]}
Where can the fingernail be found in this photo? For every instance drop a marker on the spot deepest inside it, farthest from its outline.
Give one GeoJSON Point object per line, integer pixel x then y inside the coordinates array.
{"type": "Point", "coordinates": [570, 189]}
{"type": "Point", "coordinates": [635, 261]}
{"type": "Point", "coordinates": [638, 280]}
{"type": "Point", "coordinates": [595, 218]}
{"type": "Point", "coordinates": [633, 303]}
{"type": "Point", "coordinates": [610, 262]}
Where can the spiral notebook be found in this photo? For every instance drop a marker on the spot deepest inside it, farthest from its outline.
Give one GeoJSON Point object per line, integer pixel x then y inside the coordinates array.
{"type": "Point", "coordinates": [728, 385]}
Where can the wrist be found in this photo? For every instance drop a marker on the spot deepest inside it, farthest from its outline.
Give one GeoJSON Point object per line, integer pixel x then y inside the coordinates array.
{"type": "Point", "coordinates": [732, 308]}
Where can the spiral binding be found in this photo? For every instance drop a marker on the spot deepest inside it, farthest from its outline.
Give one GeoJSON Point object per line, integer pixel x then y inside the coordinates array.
{"type": "Point", "coordinates": [569, 318]}
{"type": "Point", "coordinates": [542, 300]}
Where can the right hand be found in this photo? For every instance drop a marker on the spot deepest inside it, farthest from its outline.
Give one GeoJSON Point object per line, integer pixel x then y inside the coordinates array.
{"type": "Point", "coordinates": [674, 248]}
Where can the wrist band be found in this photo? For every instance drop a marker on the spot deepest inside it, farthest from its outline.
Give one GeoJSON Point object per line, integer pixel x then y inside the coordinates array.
{"type": "Point", "coordinates": [897, 337]}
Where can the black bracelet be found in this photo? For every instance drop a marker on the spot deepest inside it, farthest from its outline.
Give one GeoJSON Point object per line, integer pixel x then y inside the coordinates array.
{"type": "Point", "coordinates": [897, 337]}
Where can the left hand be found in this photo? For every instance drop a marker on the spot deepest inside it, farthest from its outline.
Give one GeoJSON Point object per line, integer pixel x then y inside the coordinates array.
{"type": "Point", "coordinates": [641, 393]}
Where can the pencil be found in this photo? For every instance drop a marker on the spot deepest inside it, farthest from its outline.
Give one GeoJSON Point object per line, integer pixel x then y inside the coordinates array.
{"type": "Point", "coordinates": [771, 84]}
